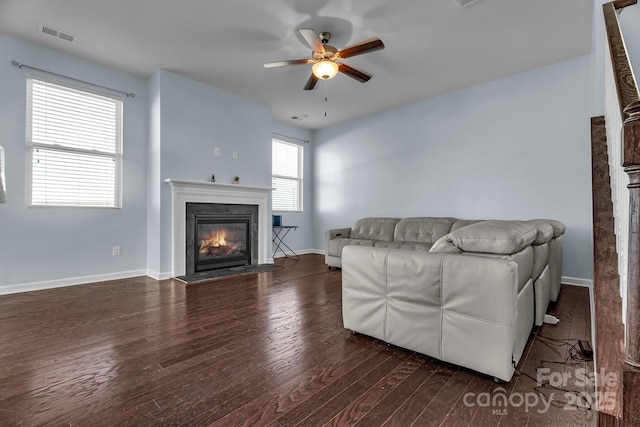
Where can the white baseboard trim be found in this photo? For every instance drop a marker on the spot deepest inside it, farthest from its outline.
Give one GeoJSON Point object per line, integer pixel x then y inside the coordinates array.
{"type": "Point", "coordinates": [70, 281]}
{"type": "Point", "coordinates": [299, 252]}
{"type": "Point", "coordinates": [576, 281]}
{"type": "Point", "coordinates": [158, 276]}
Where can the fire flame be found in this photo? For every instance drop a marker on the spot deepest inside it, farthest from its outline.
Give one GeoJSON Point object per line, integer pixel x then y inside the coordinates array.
{"type": "Point", "coordinates": [215, 241]}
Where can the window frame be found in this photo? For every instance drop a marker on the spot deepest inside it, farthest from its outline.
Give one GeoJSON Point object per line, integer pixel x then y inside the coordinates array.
{"type": "Point", "coordinates": [299, 178]}
{"type": "Point", "coordinates": [55, 147]}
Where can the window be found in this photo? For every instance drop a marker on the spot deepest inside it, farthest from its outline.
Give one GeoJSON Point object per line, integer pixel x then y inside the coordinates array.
{"type": "Point", "coordinates": [286, 176]}
{"type": "Point", "coordinates": [74, 140]}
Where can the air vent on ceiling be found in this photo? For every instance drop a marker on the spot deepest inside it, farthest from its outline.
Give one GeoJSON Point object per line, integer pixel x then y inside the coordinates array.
{"type": "Point", "coordinates": [59, 34]}
{"type": "Point", "coordinates": [465, 3]}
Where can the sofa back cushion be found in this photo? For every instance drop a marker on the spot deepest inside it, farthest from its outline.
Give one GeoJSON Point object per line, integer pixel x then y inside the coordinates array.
{"type": "Point", "coordinates": [558, 227]}
{"type": "Point", "coordinates": [422, 229]}
{"type": "Point", "coordinates": [494, 237]}
{"type": "Point", "coordinates": [464, 222]}
{"type": "Point", "coordinates": [545, 231]}
{"type": "Point", "coordinates": [374, 229]}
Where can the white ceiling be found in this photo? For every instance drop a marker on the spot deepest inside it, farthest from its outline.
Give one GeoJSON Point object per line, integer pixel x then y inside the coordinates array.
{"type": "Point", "coordinates": [432, 46]}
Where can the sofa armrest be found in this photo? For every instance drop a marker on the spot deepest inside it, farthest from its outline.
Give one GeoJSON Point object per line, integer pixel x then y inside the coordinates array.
{"type": "Point", "coordinates": [459, 308]}
{"type": "Point", "coordinates": [337, 232]}
{"type": "Point", "coordinates": [333, 234]}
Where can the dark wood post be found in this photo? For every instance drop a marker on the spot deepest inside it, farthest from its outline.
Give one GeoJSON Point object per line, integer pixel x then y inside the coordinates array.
{"type": "Point", "coordinates": [631, 370]}
{"type": "Point", "coordinates": [631, 162]}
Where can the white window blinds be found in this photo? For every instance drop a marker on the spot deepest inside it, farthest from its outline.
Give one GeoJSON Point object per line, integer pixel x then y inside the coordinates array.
{"type": "Point", "coordinates": [287, 176]}
{"type": "Point", "coordinates": [74, 140]}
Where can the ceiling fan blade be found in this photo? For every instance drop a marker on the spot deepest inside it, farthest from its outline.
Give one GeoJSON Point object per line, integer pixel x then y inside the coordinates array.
{"type": "Point", "coordinates": [359, 75]}
{"type": "Point", "coordinates": [311, 83]}
{"type": "Point", "coordinates": [360, 48]}
{"type": "Point", "coordinates": [287, 63]}
{"type": "Point", "coordinates": [313, 40]}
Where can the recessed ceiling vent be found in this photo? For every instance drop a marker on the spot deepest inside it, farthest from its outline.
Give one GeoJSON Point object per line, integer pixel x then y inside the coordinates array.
{"type": "Point", "coordinates": [59, 34]}
{"type": "Point", "coordinates": [465, 3]}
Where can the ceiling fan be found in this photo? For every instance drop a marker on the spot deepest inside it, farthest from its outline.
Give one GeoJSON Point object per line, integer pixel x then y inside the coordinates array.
{"type": "Point", "coordinates": [326, 59]}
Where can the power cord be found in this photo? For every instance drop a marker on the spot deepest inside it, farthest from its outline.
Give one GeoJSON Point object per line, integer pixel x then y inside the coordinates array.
{"type": "Point", "coordinates": [574, 356]}
{"type": "Point", "coordinates": [556, 402]}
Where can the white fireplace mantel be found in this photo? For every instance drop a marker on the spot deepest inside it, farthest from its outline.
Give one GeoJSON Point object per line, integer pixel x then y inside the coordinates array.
{"type": "Point", "coordinates": [183, 192]}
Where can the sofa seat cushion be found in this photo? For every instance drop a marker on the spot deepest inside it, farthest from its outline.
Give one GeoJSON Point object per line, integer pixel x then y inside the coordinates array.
{"type": "Point", "coordinates": [422, 229]}
{"type": "Point", "coordinates": [495, 237]}
{"type": "Point", "coordinates": [374, 229]}
{"type": "Point", "coordinates": [337, 245]}
{"type": "Point", "coordinates": [405, 246]}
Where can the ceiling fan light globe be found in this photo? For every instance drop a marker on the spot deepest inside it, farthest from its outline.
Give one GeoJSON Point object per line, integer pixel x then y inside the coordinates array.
{"type": "Point", "coordinates": [325, 69]}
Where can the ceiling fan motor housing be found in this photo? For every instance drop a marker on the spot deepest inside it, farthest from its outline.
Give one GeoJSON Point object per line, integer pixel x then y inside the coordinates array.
{"type": "Point", "coordinates": [325, 36]}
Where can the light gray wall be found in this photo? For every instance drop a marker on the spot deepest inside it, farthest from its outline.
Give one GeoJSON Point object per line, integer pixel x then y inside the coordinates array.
{"type": "Point", "coordinates": [598, 48]}
{"type": "Point", "coordinates": [193, 118]}
{"type": "Point", "coordinates": [515, 148]}
{"type": "Point", "coordinates": [630, 25]}
{"type": "Point", "coordinates": [300, 240]}
{"type": "Point", "coordinates": [154, 176]}
{"type": "Point", "coordinates": [46, 244]}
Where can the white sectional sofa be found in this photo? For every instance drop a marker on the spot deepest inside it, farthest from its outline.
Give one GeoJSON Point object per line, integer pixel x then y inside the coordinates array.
{"type": "Point", "coordinates": [463, 291]}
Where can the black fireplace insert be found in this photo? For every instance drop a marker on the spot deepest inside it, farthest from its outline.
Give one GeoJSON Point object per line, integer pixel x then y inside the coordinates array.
{"type": "Point", "coordinates": [220, 236]}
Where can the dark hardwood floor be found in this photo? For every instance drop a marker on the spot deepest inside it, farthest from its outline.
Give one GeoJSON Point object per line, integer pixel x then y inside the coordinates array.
{"type": "Point", "coordinates": [267, 349]}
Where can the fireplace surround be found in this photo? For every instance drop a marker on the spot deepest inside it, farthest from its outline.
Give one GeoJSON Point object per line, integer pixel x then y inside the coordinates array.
{"type": "Point", "coordinates": [183, 192]}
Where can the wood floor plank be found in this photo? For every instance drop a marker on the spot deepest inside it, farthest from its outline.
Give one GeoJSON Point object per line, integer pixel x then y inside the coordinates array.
{"type": "Point", "coordinates": [381, 412]}
{"type": "Point", "coordinates": [287, 395]}
{"type": "Point", "coordinates": [421, 398]}
{"type": "Point", "coordinates": [325, 395]}
{"type": "Point", "coordinates": [437, 410]}
{"type": "Point", "coordinates": [361, 406]}
{"type": "Point", "coordinates": [462, 412]}
{"type": "Point", "coordinates": [346, 397]}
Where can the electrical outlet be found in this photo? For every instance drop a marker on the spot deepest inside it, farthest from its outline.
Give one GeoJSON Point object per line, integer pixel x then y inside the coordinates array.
{"type": "Point", "coordinates": [234, 155]}
{"type": "Point", "coordinates": [117, 251]}
{"type": "Point", "coordinates": [216, 151]}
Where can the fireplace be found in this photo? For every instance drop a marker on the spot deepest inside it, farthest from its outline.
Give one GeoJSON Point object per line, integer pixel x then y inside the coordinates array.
{"type": "Point", "coordinates": [220, 235]}
{"type": "Point", "coordinates": [184, 192]}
